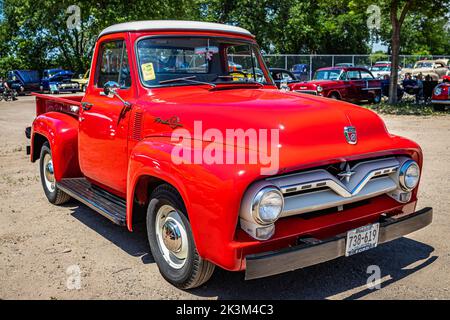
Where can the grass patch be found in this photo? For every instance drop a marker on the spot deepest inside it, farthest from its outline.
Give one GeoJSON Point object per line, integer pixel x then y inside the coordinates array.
{"type": "Point", "coordinates": [406, 108]}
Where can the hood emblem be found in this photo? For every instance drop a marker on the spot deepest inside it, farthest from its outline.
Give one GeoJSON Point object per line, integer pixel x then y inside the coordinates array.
{"type": "Point", "coordinates": [347, 174]}
{"type": "Point", "coordinates": [350, 135]}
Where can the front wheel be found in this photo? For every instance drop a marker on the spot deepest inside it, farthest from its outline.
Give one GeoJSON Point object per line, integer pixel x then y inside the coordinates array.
{"type": "Point", "coordinates": [51, 190]}
{"type": "Point", "coordinates": [171, 241]}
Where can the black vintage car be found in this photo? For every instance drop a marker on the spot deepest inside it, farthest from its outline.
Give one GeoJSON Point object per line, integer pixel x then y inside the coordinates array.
{"type": "Point", "coordinates": [282, 75]}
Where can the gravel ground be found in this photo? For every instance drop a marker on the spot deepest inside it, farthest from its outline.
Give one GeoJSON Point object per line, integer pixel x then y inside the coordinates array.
{"type": "Point", "coordinates": [39, 241]}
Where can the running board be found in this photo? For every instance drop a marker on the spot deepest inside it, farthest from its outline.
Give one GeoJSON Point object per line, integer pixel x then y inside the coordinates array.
{"type": "Point", "coordinates": [102, 201]}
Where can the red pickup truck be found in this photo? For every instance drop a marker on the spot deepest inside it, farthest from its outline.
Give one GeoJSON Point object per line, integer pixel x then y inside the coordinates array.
{"type": "Point", "coordinates": [224, 169]}
{"type": "Point", "coordinates": [342, 83]}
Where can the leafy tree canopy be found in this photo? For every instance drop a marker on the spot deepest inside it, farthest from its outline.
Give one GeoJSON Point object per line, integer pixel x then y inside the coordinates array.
{"type": "Point", "coordinates": [34, 33]}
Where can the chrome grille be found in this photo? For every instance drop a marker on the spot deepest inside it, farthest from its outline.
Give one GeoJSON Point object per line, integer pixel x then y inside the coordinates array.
{"type": "Point", "coordinates": [320, 189]}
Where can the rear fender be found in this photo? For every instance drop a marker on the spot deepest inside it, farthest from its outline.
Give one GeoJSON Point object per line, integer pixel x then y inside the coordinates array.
{"type": "Point", "coordinates": [61, 132]}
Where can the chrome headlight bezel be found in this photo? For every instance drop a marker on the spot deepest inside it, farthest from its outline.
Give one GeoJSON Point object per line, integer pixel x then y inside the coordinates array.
{"type": "Point", "coordinates": [319, 88]}
{"type": "Point", "coordinates": [256, 205]}
{"type": "Point", "coordinates": [403, 175]}
{"type": "Point", "coordinates": [437, 91]}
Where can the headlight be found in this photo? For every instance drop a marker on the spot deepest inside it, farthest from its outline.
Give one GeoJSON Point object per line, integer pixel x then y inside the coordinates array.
{"type": "Point", "coordinates": [267, 205]}
{"type": "Point", "coordinates": [409, 175]}
{"type": "Point", "coordinates": [319, 89]}
{"type": "Point", "coordinates": [437, 91]}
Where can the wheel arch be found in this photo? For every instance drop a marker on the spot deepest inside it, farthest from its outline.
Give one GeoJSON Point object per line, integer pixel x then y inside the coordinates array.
{"type": "Point", "coordinates": [144, 186]}
{"type": "Point", "coordinates": [37, 142]}
{"type": "Point", "coordinates": [148, 168]}
{"type": "Point", "coordinates": [61, 132]}
{"type": "Point", "coordinates": [336, 92]}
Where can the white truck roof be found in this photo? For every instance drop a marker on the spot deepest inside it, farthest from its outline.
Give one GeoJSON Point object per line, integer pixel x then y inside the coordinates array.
{"type": "Point", "coordinates": [173, 25]}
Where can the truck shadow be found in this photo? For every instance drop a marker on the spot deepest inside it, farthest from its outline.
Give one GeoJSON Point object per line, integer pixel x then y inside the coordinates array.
{"type": "Point", "coordinates": [397, 260]}
{"type": "Point", "coordinates": [133, 243]}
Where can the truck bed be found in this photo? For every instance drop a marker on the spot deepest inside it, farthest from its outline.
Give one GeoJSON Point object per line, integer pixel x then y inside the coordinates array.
{"type": "Point", "coordinates": [67, 104]}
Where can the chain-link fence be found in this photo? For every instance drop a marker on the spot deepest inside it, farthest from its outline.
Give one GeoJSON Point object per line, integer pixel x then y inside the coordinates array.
{"type": "Point", "coordinates": [306, 65]}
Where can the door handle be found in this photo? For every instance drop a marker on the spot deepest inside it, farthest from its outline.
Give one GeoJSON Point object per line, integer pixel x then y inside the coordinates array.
{"type": "Point", "coordinates": [86, 106]}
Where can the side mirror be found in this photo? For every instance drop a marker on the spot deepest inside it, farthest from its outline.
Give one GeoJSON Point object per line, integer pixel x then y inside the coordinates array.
{"type": "Point", "coordinates": [110, 89]}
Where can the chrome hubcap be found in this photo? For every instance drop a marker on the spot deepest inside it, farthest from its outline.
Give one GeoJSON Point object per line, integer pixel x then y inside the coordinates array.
{"type": "Point", "coordinates": [171, 236]}
{"type": "Point", "coordinates": [49, 176]}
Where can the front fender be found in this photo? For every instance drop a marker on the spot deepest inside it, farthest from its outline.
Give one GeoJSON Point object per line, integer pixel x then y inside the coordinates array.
{"type": "Point", "coordinates": [211, 194]}
{"type": "Point", "coordinates": [61, 131]}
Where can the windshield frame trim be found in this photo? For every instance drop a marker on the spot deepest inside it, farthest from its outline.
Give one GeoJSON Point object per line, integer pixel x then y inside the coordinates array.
{"type": "Point", "coordinates": [245, 41]}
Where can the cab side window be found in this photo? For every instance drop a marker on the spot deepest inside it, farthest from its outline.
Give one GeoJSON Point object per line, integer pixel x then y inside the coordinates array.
{"type": "Point", "coordinates": [113, 64]}
{"type": "Point", "coordinates": [353, 75]}
{"type": "Point", "coordinates": [366, 75]}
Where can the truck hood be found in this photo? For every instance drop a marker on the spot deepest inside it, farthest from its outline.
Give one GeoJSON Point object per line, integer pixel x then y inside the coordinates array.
{"type": "Point", "coordinates": [309, 127]}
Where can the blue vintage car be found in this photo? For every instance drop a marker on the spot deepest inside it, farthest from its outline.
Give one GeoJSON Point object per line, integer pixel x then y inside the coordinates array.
{"type": "Point", "coordinates": [58, 81]}
{"type": "Point", "coordinates": [23, 80]}
{"type": "Point", "coordinates": [301, 71]}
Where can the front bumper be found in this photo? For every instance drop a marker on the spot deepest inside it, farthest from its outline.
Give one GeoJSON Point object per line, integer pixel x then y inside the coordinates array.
{"type": "Point", "coordinates": [440, 101]}
{"type": "Point", "coordinates": [317, 251]}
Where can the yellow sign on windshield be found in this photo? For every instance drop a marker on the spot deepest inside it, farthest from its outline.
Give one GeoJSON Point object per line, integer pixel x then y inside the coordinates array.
{"type": "Point", "coordinates": [148, 71]}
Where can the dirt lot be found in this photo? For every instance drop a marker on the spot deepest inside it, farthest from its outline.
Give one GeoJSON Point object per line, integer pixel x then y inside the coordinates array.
{"type": "Point", "coordinates": [39, 241]}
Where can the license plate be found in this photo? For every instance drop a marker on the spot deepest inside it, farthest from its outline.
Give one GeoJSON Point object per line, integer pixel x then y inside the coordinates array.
{"type": "Point", "coordinates": [362, 239]}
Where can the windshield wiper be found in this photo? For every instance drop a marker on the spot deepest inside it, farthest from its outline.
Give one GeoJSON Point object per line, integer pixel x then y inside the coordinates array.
{"type": "Point", "coordinates": [188, 79]}
{"type": "Point", "coordinates": [246, 81]}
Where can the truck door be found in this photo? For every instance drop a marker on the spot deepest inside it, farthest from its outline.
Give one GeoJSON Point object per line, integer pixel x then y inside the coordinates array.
{"type": "Point", "coordinates": [103, 130]}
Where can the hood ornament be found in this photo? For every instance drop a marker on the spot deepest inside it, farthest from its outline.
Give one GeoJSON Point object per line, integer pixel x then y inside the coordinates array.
{"type": "Point", "coordinates": [350, 135]}
{"type": "Point", "coordinates": [347, 174]}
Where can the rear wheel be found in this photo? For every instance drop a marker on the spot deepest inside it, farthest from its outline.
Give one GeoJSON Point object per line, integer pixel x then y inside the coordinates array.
{"type": "Point", "coordinates": [171, 241]}
{"type": "Point", "coordinates": [376, 98]}
{"type": "Point", "coordinates": [51, 190]}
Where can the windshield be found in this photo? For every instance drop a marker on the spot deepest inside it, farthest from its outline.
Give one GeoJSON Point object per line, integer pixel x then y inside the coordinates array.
{"type": "Point", "coordinates": [210, 60]}
{"type": "Point", "coordinates": [327, 74]}
{"type": "Point", "coordinates": [380, 69]}
{"type": "Point", "coordinates": [424, 65]}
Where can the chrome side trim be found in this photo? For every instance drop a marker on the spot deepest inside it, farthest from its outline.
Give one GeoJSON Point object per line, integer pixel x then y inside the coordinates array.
{"type": "Point", "coordinates": [440, 101]}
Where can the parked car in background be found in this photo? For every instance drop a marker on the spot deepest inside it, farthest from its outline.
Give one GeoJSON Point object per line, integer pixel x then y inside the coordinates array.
{"type": "Point", "coordinates": [340, 182]}
{"type": "Point", "coordinates": [282, 75]}
{"type": "Point", "coordinates": [436, 69]}
{"type": "Point", "coordinates": [232, 66]}
{"type": "Point", "coordinates": [342, 83]}
{"type": "Point", "coordinates": [379, 70]}
{"type": "Point", "coordinates": [301, 71]}
{"type": "Point", "coordinates": [441, 96]}
{"type": "Point", "coordinates": [82, 80]}
{"type": "Point", "coordinates": [344, 64]}
{"type": "Point", "coordinates": [58, 81]}
{"type": "Point", "coordinates": [23, 81]}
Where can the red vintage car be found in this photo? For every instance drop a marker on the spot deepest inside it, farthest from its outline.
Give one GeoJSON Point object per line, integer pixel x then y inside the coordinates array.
{"type": "Point", "coordinates": [342, 83]}
{"type": "Point", "coordinates": [441, 95]}
{"type": "Point", "coordinates": [225, 169]}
